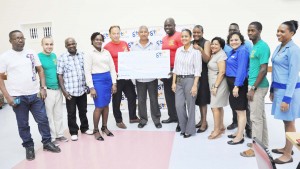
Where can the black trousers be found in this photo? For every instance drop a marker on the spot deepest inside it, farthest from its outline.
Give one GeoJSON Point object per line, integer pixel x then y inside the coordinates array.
{"type": "Point", "coordinates": [81, 103]}
{"type": "Point", "coordinates": [127, 87]}
{"type": "Point", "coordinates": [170, 98]}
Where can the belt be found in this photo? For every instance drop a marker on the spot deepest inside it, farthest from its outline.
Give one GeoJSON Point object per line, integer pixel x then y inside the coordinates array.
{"type": "Point", "coordinates": [52, 89]}
{"type": "Point", "coordinates": [283, 86]}
{"type": "Point", "coordinates": [185, 76]}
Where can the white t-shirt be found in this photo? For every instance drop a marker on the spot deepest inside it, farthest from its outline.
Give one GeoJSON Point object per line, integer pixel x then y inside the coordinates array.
{"type": "Point", "coordinates": [21, 73]}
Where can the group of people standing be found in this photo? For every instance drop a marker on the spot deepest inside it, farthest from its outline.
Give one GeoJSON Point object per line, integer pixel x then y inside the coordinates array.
{"type": "Point", "coordinates": [202, 72]}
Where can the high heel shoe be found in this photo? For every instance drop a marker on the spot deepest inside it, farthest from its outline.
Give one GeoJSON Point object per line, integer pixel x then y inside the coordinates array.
{"type": "Point", "coordinates": [98, 135]}
{"type": "Point", "coordinates": [106, 131]}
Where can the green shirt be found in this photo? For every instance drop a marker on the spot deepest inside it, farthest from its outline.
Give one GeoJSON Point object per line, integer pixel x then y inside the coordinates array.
{"type": "Point", "coordinates": [49, 65]}
{"type": "Point", "coordinates": [259, 55]}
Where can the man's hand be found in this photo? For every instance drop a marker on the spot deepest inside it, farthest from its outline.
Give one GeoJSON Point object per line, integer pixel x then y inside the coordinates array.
{"type": "Point", "coordinates": [43, 94]}
{"type": "Point", "coordinates": [250, 95]}
{"type": "Point", "coordinates": [67, 95]}
{"type": "Point", "coordinates": [10, 101]}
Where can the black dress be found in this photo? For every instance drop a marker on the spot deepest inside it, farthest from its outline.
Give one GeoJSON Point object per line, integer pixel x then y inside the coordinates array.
{"type": "Point", "coordinates": [203, 96]}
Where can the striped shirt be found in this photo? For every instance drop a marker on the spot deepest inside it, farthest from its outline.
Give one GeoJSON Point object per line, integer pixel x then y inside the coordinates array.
{"type": "Point", "coordinates": [188, 62]}
{"type": "Point", "coordinates": [72, 69]}
{"type": "Point", "coordinates": [149, 46]}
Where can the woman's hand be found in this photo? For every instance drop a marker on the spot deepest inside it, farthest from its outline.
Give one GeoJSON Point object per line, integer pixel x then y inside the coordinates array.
{"type": "Point", "coordinates": [214, 91]}
{"type": "Point", "coordinates": [284, 106]}
{"type": "Point", "coordinates": [114, 88]}
{"type": "Point", "coordinates": [271, 96]}
{"type": "Point", "coordinates": [174, 87]}
{"type": "Point", "coordinates": [194, 90]}
{"type": "Point", "coordinates": [235, 92]}
{"type": "Point", "coordinates": [93, 92]}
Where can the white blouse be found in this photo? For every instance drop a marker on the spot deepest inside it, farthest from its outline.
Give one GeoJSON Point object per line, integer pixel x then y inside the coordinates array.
{"type": "Point", "coordinates": [98, 62]}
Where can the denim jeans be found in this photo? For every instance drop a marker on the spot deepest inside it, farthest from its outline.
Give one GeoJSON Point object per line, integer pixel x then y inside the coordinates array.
{"type": "Point", "coordinates": [36, 106]}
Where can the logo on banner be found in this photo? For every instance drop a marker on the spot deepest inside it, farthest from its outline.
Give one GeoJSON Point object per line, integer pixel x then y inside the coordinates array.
{"type": "Point", "coordinates": [159, 42]}
{"type": "Point", "coordinates": [130, 44]}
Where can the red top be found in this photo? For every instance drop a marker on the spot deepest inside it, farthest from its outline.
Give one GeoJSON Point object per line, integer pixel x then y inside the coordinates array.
{"type": "Point", "coordinates": [172, 43]}
{"type": "Point", "coordinates": [114, 48]}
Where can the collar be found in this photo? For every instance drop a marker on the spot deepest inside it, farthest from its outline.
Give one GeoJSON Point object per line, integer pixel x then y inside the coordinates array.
{"type": "Point", "coordinates": [141, 46]}
{"type": "Point", "coordinates": [97, 51]}
{"type": "Point", "coordinates": [189, 49]}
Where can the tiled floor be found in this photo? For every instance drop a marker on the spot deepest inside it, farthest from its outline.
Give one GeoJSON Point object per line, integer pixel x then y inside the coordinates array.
{"type": "Point", "coordinates": [134, 148]}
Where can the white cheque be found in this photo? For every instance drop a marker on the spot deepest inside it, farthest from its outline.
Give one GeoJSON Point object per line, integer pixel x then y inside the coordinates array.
{"type": "Point", "coordinates": [144, 64]}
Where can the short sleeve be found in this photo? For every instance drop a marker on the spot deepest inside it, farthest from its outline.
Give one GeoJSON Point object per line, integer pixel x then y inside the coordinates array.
{"type": "Point", "coordinates": [264, 55]}
{"type": "Point", "coordinates": [60, 65]}
{"type": "Point", "coordinates": [222, 57]}
{"type": "Point", "coordinates": [37, 61]}
{"type": "Point", "coordinates": [2, 64]}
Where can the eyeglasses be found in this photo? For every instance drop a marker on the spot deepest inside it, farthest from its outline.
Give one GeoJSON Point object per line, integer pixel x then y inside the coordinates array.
{"type": "Point", "coordinates": [19, 38]}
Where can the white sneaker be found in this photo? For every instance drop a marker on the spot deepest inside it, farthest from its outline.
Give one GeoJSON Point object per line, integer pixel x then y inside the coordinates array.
{"type": "Point", "coordinates": [88, 132]}
{"type": "Point", "coordinates": [74, 137]}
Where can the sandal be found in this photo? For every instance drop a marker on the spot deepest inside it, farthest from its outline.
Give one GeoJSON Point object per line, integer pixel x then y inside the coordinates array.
{"type": "Point", "coordinates": [106, 131]}
{"type": "Point", "coordinates": [98, 135]}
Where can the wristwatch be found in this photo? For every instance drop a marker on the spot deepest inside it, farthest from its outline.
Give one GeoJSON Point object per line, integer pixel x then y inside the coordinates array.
{"type": "Point", "coordinates": [253, 88]}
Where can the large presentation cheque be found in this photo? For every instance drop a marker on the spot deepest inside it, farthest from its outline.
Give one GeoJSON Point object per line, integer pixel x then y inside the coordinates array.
{"type": "Point", "coordinates": [144, 64]}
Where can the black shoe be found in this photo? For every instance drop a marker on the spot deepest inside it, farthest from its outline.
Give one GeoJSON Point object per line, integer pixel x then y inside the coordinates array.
{"type": "Point", "coordinates": [158, 125]}
{"type": "Point", "coordinates": [276, 151]}
{"type": "Point", "coordinates": [232, 126]}
{"type": "Point", "coordinates": [234, 143]}
{"type": "Point", "coordinates": [248, 133]}
{"type": "Point", "coordinates": [141, 125]}
{"type": "Point", "coordinates": [169, 120]}
{"type": "Point", "coordinates": [182, 134]}
{"type": "Point", "coordinates": [231, 136]}
{"type": "Point", "coordinates": [51, 147]}
{"type": "Point", "coordinates": [199, 124]}
{"type": "Point", "coordinates": [201, 131]}
{"type": "Point", "coordinates": [187, 135]}
{"type": "Point", "coordinates": [178, 129]}
{"type": "Point", "coordinates": [106, 131]}
{"type": "Point", "coordinates": [30, 155]}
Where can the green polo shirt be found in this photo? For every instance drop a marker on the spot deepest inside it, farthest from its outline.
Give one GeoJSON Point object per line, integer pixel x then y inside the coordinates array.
{"type": "Point", "coordinates": [259, 55]}
{"type": "Point", "coordinates": [49, 63]}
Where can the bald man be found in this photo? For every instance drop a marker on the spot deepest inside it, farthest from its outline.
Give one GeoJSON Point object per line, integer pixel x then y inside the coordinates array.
{"type": "Point", "coordinates": [171, 42]}
{"type": "Point", "coordinates": [53, 102]}
{"type": "Point", "coordinates": [73, 85]}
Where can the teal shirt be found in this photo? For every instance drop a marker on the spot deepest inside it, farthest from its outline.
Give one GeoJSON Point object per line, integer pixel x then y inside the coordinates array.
{"type": "Point", "coordinates": [260, 54]}
{"type": "Point", "coordinates": [49, 64]}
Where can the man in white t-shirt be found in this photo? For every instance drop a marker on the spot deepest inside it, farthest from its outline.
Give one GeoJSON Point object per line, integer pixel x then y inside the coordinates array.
{"type": "Point", "coordinates": [23, 92]}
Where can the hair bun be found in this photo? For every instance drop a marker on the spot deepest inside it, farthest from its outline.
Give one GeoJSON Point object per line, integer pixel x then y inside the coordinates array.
{"type": "Point", "coordinates": [295, 23]}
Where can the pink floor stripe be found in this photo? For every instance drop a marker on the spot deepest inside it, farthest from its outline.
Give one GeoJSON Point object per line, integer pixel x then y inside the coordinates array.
{"type": "Point", "coordinates": [126, 150]}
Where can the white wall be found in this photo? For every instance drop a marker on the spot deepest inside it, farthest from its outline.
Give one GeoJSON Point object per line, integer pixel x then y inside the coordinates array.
{"type": "Point", "coordinates": [79, 19]}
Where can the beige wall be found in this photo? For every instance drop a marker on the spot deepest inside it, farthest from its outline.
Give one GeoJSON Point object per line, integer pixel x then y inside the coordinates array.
{"type": "Point", "coordinates": [78, 18]}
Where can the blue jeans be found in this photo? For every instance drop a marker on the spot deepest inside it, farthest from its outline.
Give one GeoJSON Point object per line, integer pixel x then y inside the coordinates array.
{"type": "Point", "coordinates": [36, 106]}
